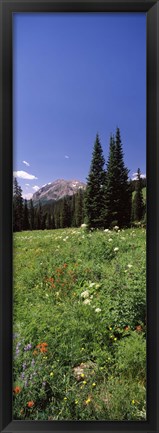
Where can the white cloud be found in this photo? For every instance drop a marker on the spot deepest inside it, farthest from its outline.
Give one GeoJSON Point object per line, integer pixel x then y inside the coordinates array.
{"type": "Point", "coordinates": [26, 163]}
{"type": "Point", "coordinates": [66, 156]}
{"type": "Point", "coordinates": [24, 175]}
{"type": "Point", "coordinates": [35, 188]}
{"type": "Point", "coordinates": [27, 196]}
{"type": "Point", "coordinates": [134, 176]}
{"type": "Point", "coordinates": [27, 184]}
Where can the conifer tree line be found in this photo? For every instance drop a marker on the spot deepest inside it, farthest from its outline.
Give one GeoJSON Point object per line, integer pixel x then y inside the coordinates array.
{"type": "Point", "coordinates": [108, 201]}
{"type": "Point", "coordinates": [66, 212]}
{"type": "Point", "coordinates": [110, 198]}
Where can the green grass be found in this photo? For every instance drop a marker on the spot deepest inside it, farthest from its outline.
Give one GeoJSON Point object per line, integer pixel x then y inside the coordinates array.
{"type": "Point", "coordinates": [84, 296]}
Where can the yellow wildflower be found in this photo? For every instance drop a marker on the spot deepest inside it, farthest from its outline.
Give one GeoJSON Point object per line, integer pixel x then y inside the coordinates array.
{"type": "Point", "coordinates": [93, 384]}
{"type": "Point", "coordinates": [87, 401]}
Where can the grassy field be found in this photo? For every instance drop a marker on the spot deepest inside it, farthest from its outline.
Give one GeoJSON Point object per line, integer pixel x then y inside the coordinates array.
{"type": "Point", "coordinates": [79, 325]}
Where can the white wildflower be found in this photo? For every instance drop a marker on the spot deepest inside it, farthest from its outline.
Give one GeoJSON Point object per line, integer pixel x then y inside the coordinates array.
{"type": "Point", "coordinates": [106, 230]}
{"type": "Point", "coordinates": [86, 301]}
{"type": "Point", "coordinates": [130, 266]}
{"type": "Point", "coordinates": [110, 240]}
{"type": "Point", "coordinates": [84, 225]}
{"type": "Point", "coordinates": [85, 294]}
{"type": "Point", "coordinates": [116, 228]}
{"type": "Point", "coordinates": [98, 310]}
{"type": "Point", "coordinates": [91, 284]}
{"type": "Point", "coordinates": [116, 249]}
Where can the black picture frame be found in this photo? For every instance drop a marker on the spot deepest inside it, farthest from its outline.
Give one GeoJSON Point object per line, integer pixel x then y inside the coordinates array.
{"type": "Point", "coordinates": [7, 8]}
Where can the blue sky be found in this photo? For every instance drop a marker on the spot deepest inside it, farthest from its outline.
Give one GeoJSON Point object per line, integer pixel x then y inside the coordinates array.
{"type": "Point", "coordinates": [75, 75]}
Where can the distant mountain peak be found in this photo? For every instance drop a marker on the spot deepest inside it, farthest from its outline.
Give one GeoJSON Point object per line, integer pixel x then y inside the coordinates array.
{"type": "Point", "coordinates": [57, 189]}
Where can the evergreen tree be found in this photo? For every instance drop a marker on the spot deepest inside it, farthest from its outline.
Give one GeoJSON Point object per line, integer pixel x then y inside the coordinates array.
{"type": "Point", "coordinates": [17, 207]}
{"type": "Point", "coordinates": [117, 189]}
{"type": "Point", "coordinates": [39, 217]}
{"type": "Point", "coordinates": [72, 211]}
{"type": "Point", "coordinates": [31, 215]}
{"type": "Point", "coordinates": [94, 190]}
{"type": "Point", "coordinates": [64, 213]}
{"type": "Point", "coordinates": [25, 216]}
{"type": "Point", "coordinates": [109, 209]}
{"type": "Point", "coordinates": [138, 203]}
{"type": "Point", "coordinates": [48, 221]}
{"type": "Point", "coordinates": [79, 208]}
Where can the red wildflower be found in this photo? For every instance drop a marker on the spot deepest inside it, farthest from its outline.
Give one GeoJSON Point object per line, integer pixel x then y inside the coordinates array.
{"type": "Point", "coordinates": [30, 403]}
{"type": "Point", "coordinates": [16, 390]}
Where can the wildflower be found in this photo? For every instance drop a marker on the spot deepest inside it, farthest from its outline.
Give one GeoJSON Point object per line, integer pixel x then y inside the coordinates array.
{"type": "Point", "coordinates": [65, 398]}
{"type": "Point", "coordinates": [133, 402]}
{"type": "Point", "coordinates": [85, 294]}
{"type": "Point", "coordinates": [106, 230]}
{"type": "Point", "coordinates": [127, 328]}
{"type": "Point", "coordinates": [130, 266]}
{"type": "Point", "coordinates": [76, 401]}
{"type": "Point", "coordinates": [116, 228]}
{"type": "Point", "coordinates": [17, 390]}
{"type": "Point", "coordinates": [82, 374]}
{"type": "Point", "coordinates": [93, 384]}
{"type": "Point", "coordinates": [116, 249]}
{"type": "Point", "coordinates": [88, 401]}
{"type": "Point", "coordinates": [82, 349]}
{"type": "Point", "coordinates": [30, 403]}
{"type": "Point", "coordinates": [51, 374]}
{"type": "Point", "coordinates": [138, 328]}
{"type": "Point", "coordinates": [110, 240]}
{"type": "Point", "coordinates": [92, 284]}
{"type": "Point", "coordinates": [84, 382]}
{"type": "Point", "coordinates": [24, 365]}
{"type": "Point", "coordinates": [87, 301]}
{"type": "Point", "coordinates": [98, 310]}
{"type": "Point", "coordinates": [28, 347]}
{"type": "Point", "coordinates": [115, 339]}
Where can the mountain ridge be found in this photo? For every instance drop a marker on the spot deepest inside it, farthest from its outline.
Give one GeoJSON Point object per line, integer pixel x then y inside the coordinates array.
{"type": "Point", "coordinates": [54, 191]}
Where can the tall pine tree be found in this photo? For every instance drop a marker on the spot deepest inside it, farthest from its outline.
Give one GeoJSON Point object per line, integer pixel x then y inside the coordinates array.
{"type": "Point", "coordinates": [94, 189]}
{"type": "Point", "coordinates": [138, 203]}
{"type": "Point", "coordinates": [25, 216]}
{"type": "Point", "coordinates": [117, 189]}
{"type": "Point", "coordinates": [31, 215]}
{"type": "Point", "coordinates": [17, 207]}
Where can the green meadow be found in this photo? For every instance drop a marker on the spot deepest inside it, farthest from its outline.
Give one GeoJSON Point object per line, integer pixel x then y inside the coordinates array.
{"type": "Point", "coordinates": [79, 310]}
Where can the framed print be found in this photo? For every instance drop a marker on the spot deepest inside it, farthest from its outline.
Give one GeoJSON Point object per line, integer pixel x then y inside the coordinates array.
{"type": "Point", "coordinates": [79, 215]}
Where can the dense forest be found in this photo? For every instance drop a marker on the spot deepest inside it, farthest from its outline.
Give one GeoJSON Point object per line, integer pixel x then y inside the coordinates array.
{"type": "Point", "coordinates": [110, 198]}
